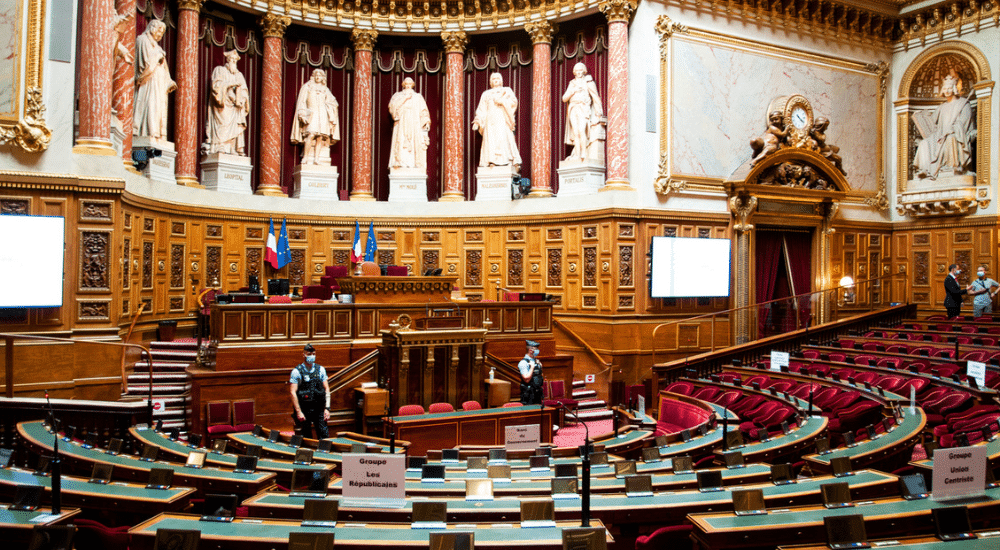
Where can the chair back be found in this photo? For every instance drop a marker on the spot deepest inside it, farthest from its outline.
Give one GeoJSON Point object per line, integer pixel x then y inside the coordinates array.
{"type": "Point", "coordinates": [218, 413]}
{"type": "Point", "coordinates": [243, 412]}
{"type": "Point", "coordinates": [410, 410]}
{"type": "Point", "coordinates": [279, 300]}
{"type": "Point", "coordinates": [471, 406]}
{"type": "Point", "coordinates": [441, 408]}
{"type": "Point", "coordinates": [336, 271]}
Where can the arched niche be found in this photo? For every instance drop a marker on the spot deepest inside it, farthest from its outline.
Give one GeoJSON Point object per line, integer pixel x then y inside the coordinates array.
{"type": "Point", "coordinates": [919, 91]}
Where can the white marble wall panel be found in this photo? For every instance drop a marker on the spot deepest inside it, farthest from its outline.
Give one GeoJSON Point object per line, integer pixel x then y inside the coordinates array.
{"type": "Point", "coordinates": [720, 96]}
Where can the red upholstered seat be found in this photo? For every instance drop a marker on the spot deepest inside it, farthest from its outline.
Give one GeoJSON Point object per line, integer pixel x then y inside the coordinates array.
{"type": "Point", "coordinates": [471, 406]}
{"type": "Point", "coordinates": [554, 395]}
{"type": "Point", "coordinates": [317, 292]}
{"type": "Point", "coordinates": [337, 271]}
{"type": "Point", "coordinates": [511, 404]}
{"type": "Point", "coordinates": [410, 410]}
{"type": "Point", "coordinates": [682, 387]}
{"type": "Point", "coordinates": [279, 300]}
{"type": "Point", "coordinates": [674, 537]}
{"type": "Point", "coordinates": [708, 393]}
{"type": "Point", "coordinates": [244, 415]}
{"type": "Point", "coordinates": [218, 418]}
{"type": "Point", "coordinates": [396, 271]}
{"type": "Point", "coordinates": [441, 408]}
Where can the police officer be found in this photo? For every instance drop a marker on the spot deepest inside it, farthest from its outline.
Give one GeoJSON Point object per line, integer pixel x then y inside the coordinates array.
{"type": "Point", "coordinates": [531, 375]}
{"type": "Point", "coordinates": [310, 394]}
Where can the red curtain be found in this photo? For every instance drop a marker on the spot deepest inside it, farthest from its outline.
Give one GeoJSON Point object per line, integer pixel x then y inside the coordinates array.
{"type": "Point", "coordinates": [799, 257]}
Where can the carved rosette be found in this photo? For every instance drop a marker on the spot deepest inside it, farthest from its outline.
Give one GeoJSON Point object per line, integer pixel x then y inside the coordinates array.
{"type": "Point", "coordinates": [618, 10]}
{"type": "Point", "coordinates": [540, 31]}
{"type": "Point", "coordinates": [742, 207]}
{"type": "Point", "coordinates": [273, 25]}
{"type": "Point", "coordinates": [364, 39]}
{"type": "Point", "coordinates": [455, 41]}
{"type": "Point", "coordinates": [30, 133]}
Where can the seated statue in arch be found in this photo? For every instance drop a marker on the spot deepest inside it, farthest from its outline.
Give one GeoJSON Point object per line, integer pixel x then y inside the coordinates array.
{"type": "Point", "coordinates": [948, 133]}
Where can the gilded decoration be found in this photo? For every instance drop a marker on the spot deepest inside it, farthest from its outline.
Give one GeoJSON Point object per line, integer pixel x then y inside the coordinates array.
{"type": "Point", "coordinates": [540, 31]}
{"type": "Point", "coordinates": [194, 5]}
{"type": "Point", "coordinates": [455, 41]}
{"type": "Point", "coordinates": [273, 25]}
{"type": "Point", "coordinates": [27, 129]}
{"type": "Point", "coordinates": [618, 10]}
{"type": "Point", "coordinates": [364, 39]}
{"type": "Point", "coordinates": [742, 207]}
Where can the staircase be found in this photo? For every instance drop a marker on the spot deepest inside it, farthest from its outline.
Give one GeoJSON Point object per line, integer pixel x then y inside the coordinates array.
{"type": "Point", "coordinates": [169, 359]}
{"type": "Point", "coordinates": [590, 407]}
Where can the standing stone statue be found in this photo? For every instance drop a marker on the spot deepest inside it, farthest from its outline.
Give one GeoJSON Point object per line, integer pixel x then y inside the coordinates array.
{"type": "Point", "coordinates": [152, 83]}
{"type": "Point", "coordinates": [585, 122]}
{"type": "Point", "coordinates": [410, 132]}
{"type": "Point", "coordinates": [495, 121]}
{"type": "Point", "coordinates": [948, 132]}
{"type": "Point", "coordinates": [317, 124]}
{"type": "Point", "coordinates": [228, 108]}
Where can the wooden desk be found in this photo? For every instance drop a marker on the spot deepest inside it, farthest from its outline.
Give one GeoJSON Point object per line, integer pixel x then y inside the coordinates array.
{"type": "Point", "coordinates": [268, 534]}
{"type": "Point", "coordinates": [483, 427]}
{"type": "Point", "coordinates": [16, 526]}
{"type": "Point", "coordinates": [397, 290]}
{"type": "Point", "coordinates": [887, 452]}
{"type": "Point", "coordinates": [987, 541]}
{"type": "Point", "coordinates": [371, 403]}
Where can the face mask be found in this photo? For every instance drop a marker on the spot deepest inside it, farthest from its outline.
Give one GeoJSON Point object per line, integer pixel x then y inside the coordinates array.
{"type": "Point", "coordinates": [958, 272]}
{"type": "Point", "coordinates": [534, 353]}
{"type": "Point", "coordinates": [310, 359]}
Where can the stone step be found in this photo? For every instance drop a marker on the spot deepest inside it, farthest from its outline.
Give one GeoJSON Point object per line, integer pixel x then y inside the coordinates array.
{"type": "Point", "coordinates": [173, 355]}
{"type": "Point", "coordinates": [584, 394]}
{"type": "Point", "coordinates": [594, 414]}
{"type": "Point", "coordinates": [592, 404]}
{"type": "Point", "coordinates": [175, 345]}
{"type": "Point", "coordinates": [158, 389]}
{"type": "Point", "coordinates": [158, 378]}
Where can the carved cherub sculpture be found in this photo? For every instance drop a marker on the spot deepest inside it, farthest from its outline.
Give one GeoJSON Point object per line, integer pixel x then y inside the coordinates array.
{"type": "Point", "coordinates": [818, 134]}
{"type": "Point", "coordinates": [770, 140]}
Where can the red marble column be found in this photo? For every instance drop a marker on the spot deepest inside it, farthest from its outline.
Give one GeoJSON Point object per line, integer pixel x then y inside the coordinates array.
{"type": "Point", "coordinates": [124, 80]}
{"type": "Point", "coordinates": [541, 108]}
{"type": "Point", "coordinates": [361, 157]}
{"type": "Point", "coordinates": [454, 132]}
{"type": "Point", "coordinates": [619, 13]}
{"type": "Point", "coordinates": [96, 68]}
{"type": "Point", "coordinates": [186, 98]}
{"type": "Point", "coordinates": [273, 26]}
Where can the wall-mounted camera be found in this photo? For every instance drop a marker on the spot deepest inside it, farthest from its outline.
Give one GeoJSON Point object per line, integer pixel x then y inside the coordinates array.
{"type": "Point", "coordinates": [141, 156]}
{"type": "Point", "coordinates": [519, 187]}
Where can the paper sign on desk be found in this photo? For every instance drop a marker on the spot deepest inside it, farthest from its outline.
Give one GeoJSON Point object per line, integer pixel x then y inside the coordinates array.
{"type": "Point", "coordinates": [377, 479]}
{"type": "Point", "coordinates": [779, 359]}
{"type": "Point", "coordinates": [977, 370]}
{"type": "Point", "coordinates": [959, 471]}
{"type": "Point", "coordinates": [522, 437]}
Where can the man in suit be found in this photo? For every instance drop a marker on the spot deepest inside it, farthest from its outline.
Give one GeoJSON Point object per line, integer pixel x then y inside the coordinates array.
{"type": "Point", "coordinates": [953, 291]}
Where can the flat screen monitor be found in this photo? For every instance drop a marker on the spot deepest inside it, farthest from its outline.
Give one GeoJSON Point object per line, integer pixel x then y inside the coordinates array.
{"type": "Point", "coordinates": [585, 538]}
{"type": "Point", "coordinates": [913, 487]}
{"type": "Point", "coordinates": [685, 267]}
{"type": "Point", "coordinates": [277, 287]}
{"type": "Point", "coordinates": [749, 502]}
{"type": "Point", "coordinates": [452, 540]}
{"type": "Point", "coordinates": [952, 523]}
{"type": "Point", "coordinates": [31, 261]}
{"type": "Point", "coordinates": [845, 532]}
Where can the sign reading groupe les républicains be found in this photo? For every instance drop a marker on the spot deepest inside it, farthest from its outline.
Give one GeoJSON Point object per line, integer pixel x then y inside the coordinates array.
{"type": "Point", "coordinates": [374, 476]}
{"type": "Point", "coordinates": [959, 471]}
{"type": "Point", "coordinates": [779, 359]}
{"type": "Point", "coordinates": [527, 436]}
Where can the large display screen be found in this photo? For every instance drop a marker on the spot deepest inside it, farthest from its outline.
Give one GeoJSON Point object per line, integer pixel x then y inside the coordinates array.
{"type": "Point", "coordinates": [31, 261]}
{"type": "Point", "coordinates": [686, 267]}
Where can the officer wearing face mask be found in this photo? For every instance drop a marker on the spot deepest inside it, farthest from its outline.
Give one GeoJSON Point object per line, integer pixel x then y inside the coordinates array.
{"type": "Point", "coordinates": [984, 289]}
{"type": "Point", "coordinates": [531, 375]}
{"type": "Point", "coordinates": [310, 395]}
{"type": "Point", "coordinates": [953, 291]}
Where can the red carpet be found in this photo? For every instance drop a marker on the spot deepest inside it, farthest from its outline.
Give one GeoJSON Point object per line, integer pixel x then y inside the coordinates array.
{"type": "Point", "coordinates": [573, 434]}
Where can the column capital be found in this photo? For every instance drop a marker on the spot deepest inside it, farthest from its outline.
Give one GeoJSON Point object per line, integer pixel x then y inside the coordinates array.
{"type": "Point", "coordinates": [364, 39]}
{"type": "Point", "coordinates": [274, 25]}
{"type": "Point", "coordinates": [540, 31]}
{"type": "Point", "coordinates": [618, 10]}
{"type": "Point", "coordinates": [455, 41]}
{"type": "Point", "coordinates": [742, 207]}
{"type": "Point", "coordinates": [193, 5]}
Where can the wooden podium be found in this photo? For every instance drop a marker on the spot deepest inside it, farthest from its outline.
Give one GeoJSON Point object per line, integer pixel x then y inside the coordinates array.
{"type": "Point", "coordinates": [397, 290]}
{"type": "Point", "coordinates": [497, 393]}
{"type": "Point", "coordinates": [372, 403]}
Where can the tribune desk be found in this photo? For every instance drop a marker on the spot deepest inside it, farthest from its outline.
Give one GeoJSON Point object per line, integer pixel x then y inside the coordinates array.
{"type": "Point", "coordinates": [883, 518]}
{"type": "Point", "coordinates": [992, 456]}
{"type": "Point", "coordinates": [751, 473]}
{"type": "Point", "coordinates": [38, 437]}
{"type": "Point", "coordinates": [121, 497]}
{"type": "Point", "coordinates": [16, 525]}
{"type": "Point", "coordinates": [482, 427]}
{"type": "Point", "coordinates": [886, 448]}
{"type": "Point", "coordinates": [268, 534]}
{"type": "Point", "coordinates": [283, 451]}
{"type": "Point", "coordinates": [987, 540]}
{"type": "Point", "coordinates": [663, 508]}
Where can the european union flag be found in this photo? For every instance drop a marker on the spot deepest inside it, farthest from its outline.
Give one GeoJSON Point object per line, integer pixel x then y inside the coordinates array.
{"type": "Point", "coordinates": [284, 252]}
{"type": "Point", "coordinates": [370, 245]}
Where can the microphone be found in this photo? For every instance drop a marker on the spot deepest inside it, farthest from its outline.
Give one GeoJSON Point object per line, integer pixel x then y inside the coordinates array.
{"type": "Point", "coordinates": [585, 450]}
{"type": "Point", "coordinates": [811, 400]}
{"type": "Point", "coordinates": [56, 464]}
{"type": "Point", "coordinates": [725, 428]}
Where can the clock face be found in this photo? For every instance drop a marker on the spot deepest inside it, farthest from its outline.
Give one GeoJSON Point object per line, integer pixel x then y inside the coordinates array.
{"type": "Point", "coordinates": [799, 118]}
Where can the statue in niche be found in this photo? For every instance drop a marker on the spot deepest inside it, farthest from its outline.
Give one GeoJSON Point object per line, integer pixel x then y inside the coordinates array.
{"type": "Point", "coordinates": [317, 123]}
{"type": "Point", "coordinates": [817, 138]}
{"type": "Point", "coordinates": [948, 132]}
{"type": "Point", "coordinates": [152, 83]}
{"type": "Point", "coordinates": [228, 109]}
{"type": "Point", "coordinates": [585, 121]}
{"type": "Point", "coordinates": [495, 122]}
{"type": "Point", "coordinates": [771, 140]}
{"type": "Point", "coordinates": [410, 132]}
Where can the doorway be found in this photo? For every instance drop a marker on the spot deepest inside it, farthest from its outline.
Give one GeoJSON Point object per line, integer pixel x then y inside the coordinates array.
{"type": "Point", "coordinates": [783, 260]}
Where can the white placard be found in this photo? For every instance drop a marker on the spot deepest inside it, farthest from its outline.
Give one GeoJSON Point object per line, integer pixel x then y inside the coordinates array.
{"type": "Point", "coordinates": [374, 476]}
{"type": "Point", "coordinates": [779, 359]}
{"type": "Point", "coordinates": [522, 437]}
{"type": "Point", "coordinates": [589, 378]}
{"type": "Point", "coordinates": [159, 407]}
{"type": "Point", "coordinates": [640, 404]}
{"type": "Point", "coordinates": [977, 370]}
{"type": "Point", "coordinates": [959, 471]}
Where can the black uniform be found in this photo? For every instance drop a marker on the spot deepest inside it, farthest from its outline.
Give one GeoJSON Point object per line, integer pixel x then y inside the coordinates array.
{"type": "Point", "coordinates": [531, 392]}
{"type": "Point", "coordinates": [312, 400]}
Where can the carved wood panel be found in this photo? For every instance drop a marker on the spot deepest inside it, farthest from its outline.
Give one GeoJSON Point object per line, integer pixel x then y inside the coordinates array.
{"type": "Point", "coordinates": [126, 263]}
{"type": "Point", "coordinates": [297, 268]}
{"type": "Point", "coordinates": [386, 257]}
{"type": "Point", "coordinates": [473, 268]}
{"type": "Point", "coordinates": [213, 263]}
{"type": "Point", "coordinates": [554, 272]}
{"type": "Point", "coordinates": [96, 211]}
{"type": "Point", "coordinates": [21, 207]}
{"type": "Point", "coordinates": [515, 267]}
{"type": "Point", "coordinates": [590, 266]}
{"type": "Point", "coordinates": [921, 268]}
{"type": "Point", "coordinates": [147, 265]}
{"type": "Point", "coordinates": [94, 260]}
{"type": "Point", "coordinates": [253, 262]}
{"type": "Point", "coordinates": [429, 260]}
{"type": "Point", "coordinates": [177, 266]}
{"type": "Point", "coordinates": [625, 278]}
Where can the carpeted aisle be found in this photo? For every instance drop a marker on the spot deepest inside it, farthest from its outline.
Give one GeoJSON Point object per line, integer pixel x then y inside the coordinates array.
{"type": "Point", "coordinates": [573, 435]}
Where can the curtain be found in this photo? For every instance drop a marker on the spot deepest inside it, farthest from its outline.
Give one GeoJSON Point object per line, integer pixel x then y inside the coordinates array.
{"type": "Point", "coordinates": [799, 257]}
{"type": "Point", "coordinates": [768, 261]}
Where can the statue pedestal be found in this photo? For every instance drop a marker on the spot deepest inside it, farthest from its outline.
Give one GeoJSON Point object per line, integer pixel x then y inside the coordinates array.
{"type": "Point", "coordinates": [408, 185]}
{"type": "Point", "coordinates": [580, 177]}
{"type": "Point", "coordinates": [947, 195]}
{"type": "Point", "coordinates": [159, 169]}
{"type": "Point", "coordinates": [226, 173]}
{"type": "Point", "coordinates": [315, 182]}
{"type": "Point", "coordinates": [493, 183]}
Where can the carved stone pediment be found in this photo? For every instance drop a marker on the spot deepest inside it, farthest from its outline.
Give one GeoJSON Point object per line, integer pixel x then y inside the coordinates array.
{"type": "Point", "coordinates": [942, 197]}
{"type": "Point", "coordinates": [792, 168]}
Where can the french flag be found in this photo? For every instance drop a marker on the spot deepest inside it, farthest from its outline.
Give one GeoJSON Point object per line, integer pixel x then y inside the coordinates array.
{"type": "Point", "coordinates": [356, 249]}
{"type": "Point", "coordinates": [271, 255]}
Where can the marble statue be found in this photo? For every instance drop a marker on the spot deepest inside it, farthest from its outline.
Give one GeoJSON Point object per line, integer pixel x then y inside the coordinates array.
{"type": "Point", "coordinates": [948, 132]}
{"type": "Point", "coordinates": [228, 109]}
{"type": "Point", "coordinates": [585, 122]}
{"type": "Point", "coordinates": [495, 122]}
{"type": "Point", "coordinates": [152, 83]}
{"type": "Point", "coordinates": [410, 132]}
{"type": "Point", "coordinates": [317, 124]}
{"type": "Point", "coordinates": [120, 27]}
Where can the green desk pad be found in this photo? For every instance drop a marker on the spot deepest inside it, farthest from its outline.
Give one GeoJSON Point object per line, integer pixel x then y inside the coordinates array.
{"type": "Point", "coordinates": [80, 486]}
{"type": "Point", "coordinates": [796, 517]}
{"type": "Point", "coordinates": [41, 516]}
{"type": "Point", "coordinates": [226, 460]}
{"type": "Point", "coordinates": [254, 530]}
{"type": "Point", "coordinates": [809, 429]}
{"type": "Point", "coordinates": [39, 435]}
{"type": "Point", "coordinates": [612, 508]}
{"type": "Point", "coordinates": [520, 469]}
{"type": "Point", "coordinates": [911, 425]}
